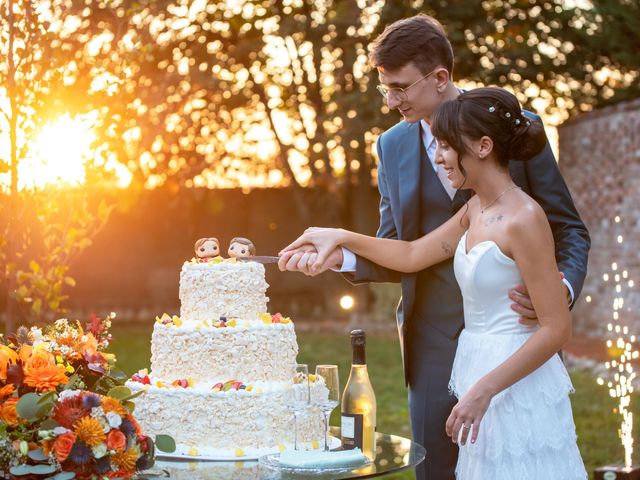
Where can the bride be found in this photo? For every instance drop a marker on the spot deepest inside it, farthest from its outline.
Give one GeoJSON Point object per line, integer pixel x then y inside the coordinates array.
{"type": "Point", "coordinates": [513, 418]}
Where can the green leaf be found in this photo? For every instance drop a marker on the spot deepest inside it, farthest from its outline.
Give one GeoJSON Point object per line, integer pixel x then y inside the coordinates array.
{"type": "Point", "coordinates": [165, 443]}
{"type": "Point", "coordinates": [47, 397]}
{"type": "Point", "coordinates": [49, 424]}
{"type": "Point", "coordinates": [134, 395]}
{"type": "Point", "coordinates": [19, 470]}
{"type": "Point", "coordinates": [118, 375]}
{"type": "Point", "coordinates": [130, 406]}
{"type": "Point", "coordinates": [119, 393]}
{"type": "Point", "coordinates": [37, 455]}
{"type": "Point", "coordinates": [43, 469]}
{"type": "Point", "coordinates": [28, 407]}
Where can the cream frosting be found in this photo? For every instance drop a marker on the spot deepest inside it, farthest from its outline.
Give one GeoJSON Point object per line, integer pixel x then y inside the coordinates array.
{"type": "Point", "coordinates": [246, 353]}
{"type": "Point", "coordinates": [229, 424]}
{"type": "Point", "coordinates": [227, 289]}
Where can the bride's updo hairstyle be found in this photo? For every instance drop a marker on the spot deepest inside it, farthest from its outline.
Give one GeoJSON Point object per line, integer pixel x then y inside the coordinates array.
{"type": "Point", "coordinates": [493, 112]}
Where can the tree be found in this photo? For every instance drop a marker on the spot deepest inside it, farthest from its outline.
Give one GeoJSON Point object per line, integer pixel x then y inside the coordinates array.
{"type": "Point", "coordinates": [40, 231]}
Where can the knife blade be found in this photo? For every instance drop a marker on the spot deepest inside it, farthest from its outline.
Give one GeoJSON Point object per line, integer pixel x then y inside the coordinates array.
{"type": "Point", "coordinates": [260, 259]}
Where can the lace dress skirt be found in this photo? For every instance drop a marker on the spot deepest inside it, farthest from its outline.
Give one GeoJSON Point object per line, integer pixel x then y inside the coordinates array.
{"type": "Point", "coordinates": [528, 431]}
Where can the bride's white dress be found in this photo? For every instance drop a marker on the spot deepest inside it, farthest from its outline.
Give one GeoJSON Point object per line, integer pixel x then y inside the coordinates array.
{"type": "Point", "coordinates": [528, 431]}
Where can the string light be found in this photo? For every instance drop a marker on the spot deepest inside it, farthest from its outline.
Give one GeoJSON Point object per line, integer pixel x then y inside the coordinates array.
{"type": "Point", "coordinates": [621, 347]}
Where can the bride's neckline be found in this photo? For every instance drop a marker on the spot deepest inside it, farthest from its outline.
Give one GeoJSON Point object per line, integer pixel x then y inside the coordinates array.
{"type": "Point", "coordinates": [467, 251]}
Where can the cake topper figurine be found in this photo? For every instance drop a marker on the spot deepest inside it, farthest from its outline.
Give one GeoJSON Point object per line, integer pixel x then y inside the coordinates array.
{"type": "Point", "coordinates": [241, 247]}
{"type": "Point", "coordinates": [207, 248]}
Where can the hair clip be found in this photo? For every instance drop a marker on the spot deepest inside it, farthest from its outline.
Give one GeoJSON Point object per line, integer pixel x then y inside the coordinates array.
{"type": "Point", "coordinates": [492, 109]}
{"type": "Point", "coordinates": [517, 122]}
{"type": "Point", "coordinates": [508, 115]}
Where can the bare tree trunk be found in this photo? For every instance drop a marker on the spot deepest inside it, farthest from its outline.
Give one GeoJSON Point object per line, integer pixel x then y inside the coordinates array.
{"type": "Point", "coordinates": [13, 199]}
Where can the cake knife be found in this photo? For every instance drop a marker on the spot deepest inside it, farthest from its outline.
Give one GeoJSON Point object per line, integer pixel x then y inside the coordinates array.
{"type": "Point", "coordinates": [259, 259]}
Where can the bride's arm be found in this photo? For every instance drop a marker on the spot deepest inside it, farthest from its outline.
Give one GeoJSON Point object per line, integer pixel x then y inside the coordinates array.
{"type": "Point", "coordinates": [532, 246]}
{"type": "Point", "coordinates": [399, 255]}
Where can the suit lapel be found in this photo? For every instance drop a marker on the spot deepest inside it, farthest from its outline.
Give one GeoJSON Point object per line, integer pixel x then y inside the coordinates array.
{"type": "Point", "coordinates": [409, 181]}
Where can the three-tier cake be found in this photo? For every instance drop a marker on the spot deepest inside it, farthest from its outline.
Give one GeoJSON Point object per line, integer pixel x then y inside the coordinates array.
{"type": "Point", "coordinates": [222, 380]}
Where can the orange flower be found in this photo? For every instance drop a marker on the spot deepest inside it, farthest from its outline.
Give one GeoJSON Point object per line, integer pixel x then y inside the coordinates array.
{"type": "Point", "coordinates": [42, 373]}
{"type": "Point", "coordinates": [91, 345]}
{"type": "Point", "coordinates": [125, 461]}
{"type": "Point", "coordinates": [116, 440]}
{"type": "Point", "coordinates": [7, 390]}
{"type": "Point", "coordinates": [25, 352]}
{"type": "Point", "coordinates": [110, 404]}
{"type": "Point", "coordinates": [63, 445]}
{"type": "Point", "coordinates": [7, 356]}
{"type": "Point", "coordinates": [8, 413]}
{"type": "Point", "coordinates": [90, 431]}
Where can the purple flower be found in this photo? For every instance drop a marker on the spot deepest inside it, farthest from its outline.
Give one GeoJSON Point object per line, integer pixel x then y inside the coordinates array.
{"type": "Point", "coordinates": [90, 400]}
{"type": "Point", "coordinates": [103, 465]}
{"type": "Point", "coordinates": [80, 453]}
{"type": "Point", "coordinates": [127, 428]}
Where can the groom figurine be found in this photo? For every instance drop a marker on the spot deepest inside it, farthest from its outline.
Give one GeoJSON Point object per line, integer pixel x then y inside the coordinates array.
{"type": "Point", "coordinates": [414, 60]}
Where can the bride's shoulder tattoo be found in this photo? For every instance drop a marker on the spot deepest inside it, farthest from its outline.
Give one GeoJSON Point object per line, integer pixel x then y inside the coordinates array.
{"type": "Point", "coordinates": [495, 219]}
{"type": "Point", "coordinates": [447, 248]}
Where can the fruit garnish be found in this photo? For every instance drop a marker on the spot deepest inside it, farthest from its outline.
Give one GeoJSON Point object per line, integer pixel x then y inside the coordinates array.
{"type": "Point", "coordinates": [227, 385]}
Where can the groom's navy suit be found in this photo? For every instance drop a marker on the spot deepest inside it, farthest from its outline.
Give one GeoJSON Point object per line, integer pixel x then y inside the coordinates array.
{"type": "Point", "coordinates": [430, 316]}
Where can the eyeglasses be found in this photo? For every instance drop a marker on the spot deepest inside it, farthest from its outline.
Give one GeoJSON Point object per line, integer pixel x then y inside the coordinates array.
{"type": "Point", "coordinates": [400, 93]}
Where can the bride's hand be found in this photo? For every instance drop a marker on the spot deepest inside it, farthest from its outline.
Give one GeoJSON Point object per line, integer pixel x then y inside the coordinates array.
{"type": "Point", "coordinates": [325, 240]}
{"type": "Point", "coordinates": [467, 414]}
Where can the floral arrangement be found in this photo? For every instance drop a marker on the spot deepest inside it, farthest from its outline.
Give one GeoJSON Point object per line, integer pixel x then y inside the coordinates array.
{"type": "Point", "coordinates": [63, 408]}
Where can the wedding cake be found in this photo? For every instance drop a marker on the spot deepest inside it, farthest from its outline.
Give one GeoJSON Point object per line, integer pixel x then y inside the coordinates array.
{"type": "Point", "coordinates": [222, 380]}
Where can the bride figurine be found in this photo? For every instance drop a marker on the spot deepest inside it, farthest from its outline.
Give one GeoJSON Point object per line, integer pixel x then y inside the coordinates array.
{"type": "Point", "coordinates": [207, 249]}
{"type": "Point", "coordinates": [513, 418]}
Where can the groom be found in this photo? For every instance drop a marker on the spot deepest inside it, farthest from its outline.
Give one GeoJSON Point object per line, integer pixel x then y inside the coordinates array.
{"type": "Point", "coordinates": [414, 60]}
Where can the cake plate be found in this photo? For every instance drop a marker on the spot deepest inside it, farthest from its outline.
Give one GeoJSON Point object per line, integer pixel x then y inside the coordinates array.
{"type": "Point", "coordinates": [226, 456]}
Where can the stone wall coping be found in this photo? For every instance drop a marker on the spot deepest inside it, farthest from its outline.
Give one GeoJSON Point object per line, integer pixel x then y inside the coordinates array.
{"type": "Point", "coordinates": [626, 106]}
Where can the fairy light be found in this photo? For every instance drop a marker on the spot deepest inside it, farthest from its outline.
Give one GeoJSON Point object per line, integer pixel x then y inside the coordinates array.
{"type": "Point", "coordinates": [621, 347]}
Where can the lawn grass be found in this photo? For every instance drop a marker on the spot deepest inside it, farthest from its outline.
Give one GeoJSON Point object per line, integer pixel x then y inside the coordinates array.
{"type": "Point", "coordinates": [596, 424]}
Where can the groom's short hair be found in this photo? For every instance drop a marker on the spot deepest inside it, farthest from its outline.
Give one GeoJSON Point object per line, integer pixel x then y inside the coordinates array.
{"type": "Point", "coordinates": [420, 39]}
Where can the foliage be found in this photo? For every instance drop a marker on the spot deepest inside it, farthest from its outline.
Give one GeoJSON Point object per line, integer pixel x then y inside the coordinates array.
{"type": "Point", "coordinates": [63, 407]}
{"type": "Point", "coordinates": [40, 231]}
{"type": "Point", "coordinates": [57, 225]}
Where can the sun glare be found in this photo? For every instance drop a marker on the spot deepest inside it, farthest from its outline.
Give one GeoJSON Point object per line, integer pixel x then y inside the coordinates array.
{"type": "Point", "coordinates": [59, 154]}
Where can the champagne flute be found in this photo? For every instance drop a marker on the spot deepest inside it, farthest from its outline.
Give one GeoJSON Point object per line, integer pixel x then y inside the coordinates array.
{"type": "Point", "coordinates": [330, 375]}
{"type": "Point", "coordinates": [301, 396]}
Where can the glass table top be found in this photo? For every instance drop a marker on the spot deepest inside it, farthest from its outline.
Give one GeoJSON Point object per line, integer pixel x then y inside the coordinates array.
{"type": "Point", "coordinates": [393, 454]}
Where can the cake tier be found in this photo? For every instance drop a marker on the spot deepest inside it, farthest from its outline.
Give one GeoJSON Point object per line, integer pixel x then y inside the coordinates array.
{"type": "Point", "coordinates": [228, 424]}
{"type": "Point", "coordinates": [248, 352]}
{"type": "Point", "coordinates": [229, 289]}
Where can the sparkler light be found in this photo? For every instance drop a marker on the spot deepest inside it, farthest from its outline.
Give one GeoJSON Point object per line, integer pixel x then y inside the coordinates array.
{"type": "Point", "coordinates": [621, 347]}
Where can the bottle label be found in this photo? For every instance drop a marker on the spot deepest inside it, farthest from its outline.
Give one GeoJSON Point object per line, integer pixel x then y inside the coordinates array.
{"type": "Point", "coordinates": [352, 429]}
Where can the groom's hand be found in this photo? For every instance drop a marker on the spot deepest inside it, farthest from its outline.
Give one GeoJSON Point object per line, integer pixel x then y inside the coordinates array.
{"type": "Point", "coordinates": [302, 259]}
{"type": "Point", "coordinates": [524, 306]}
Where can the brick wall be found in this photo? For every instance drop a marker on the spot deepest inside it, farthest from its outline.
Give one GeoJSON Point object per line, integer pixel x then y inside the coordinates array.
{"type": "Point", "coordinates": [600, 160]}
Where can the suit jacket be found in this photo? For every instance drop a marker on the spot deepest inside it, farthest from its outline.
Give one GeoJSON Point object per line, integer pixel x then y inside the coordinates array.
{"type": "Point", "coordinates": [399, 185]}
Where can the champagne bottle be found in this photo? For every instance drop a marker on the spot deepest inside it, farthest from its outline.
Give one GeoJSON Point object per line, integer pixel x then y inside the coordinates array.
{"type": "Point", "coordinates": [358, 423]}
